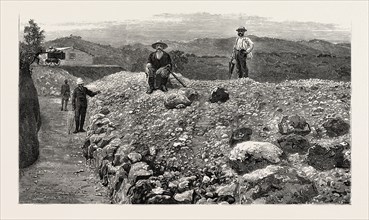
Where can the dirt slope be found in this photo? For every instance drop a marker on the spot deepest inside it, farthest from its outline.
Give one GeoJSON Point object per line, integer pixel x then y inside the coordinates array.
{"type": "Point", "coordinates": [59, 175]}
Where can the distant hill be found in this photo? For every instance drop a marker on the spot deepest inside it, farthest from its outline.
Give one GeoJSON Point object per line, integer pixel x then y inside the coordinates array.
{"type": "Point", "coordinates": [274, 59]}
{"type": "Point", "coordinates": [328, 47]}
{"type": "Point", "coordinates": [103, 54]}
{"type": "Point", "coordinates": [211, 47]}
{"type": "Point", "coordinates": [223, 46]}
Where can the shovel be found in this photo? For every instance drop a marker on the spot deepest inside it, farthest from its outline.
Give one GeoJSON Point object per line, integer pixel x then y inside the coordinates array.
{"type": "Point", "coordinates": [231, 67]}
{"type": "Point", "coordinates": [178, 79]}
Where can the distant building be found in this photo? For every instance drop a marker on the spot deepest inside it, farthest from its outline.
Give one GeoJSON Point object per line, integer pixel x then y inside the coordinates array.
{"type": "Point", "coordinates": [75, 57]}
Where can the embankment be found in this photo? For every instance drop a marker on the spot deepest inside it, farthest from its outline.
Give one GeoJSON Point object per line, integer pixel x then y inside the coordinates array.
{"type": "Point", "coordinates": [148, 153]}
{"type": "Point", "coordinates": [48, 80]}
{"type": "Point", "coordinates": [29, 118]}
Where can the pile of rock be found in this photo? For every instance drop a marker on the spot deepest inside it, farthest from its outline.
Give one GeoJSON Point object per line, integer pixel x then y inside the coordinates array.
{"type": "Point", "coordinates": [194, 151]}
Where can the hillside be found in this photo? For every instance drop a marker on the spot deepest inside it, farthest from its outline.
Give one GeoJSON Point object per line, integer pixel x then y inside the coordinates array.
{"type": "Point", "coordinates": [274, 60]}
{"type": "Point", "coordinates": [325, 47]}
{"type": "Point", "coordinates": [103, 54]}
{"type": "Point", "coordinates": [223, 46]}
{"type": "Point", "coordinates": [147, 153]}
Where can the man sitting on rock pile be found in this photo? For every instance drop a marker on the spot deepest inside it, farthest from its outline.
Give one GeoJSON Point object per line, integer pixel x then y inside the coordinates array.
{"type": "Point", "coordinates": [79, 103]}
{"type": "Point", "coordinates": [158, 68]}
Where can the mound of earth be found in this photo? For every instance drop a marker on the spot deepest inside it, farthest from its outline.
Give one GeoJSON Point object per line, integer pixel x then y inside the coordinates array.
{"type": "Point", "coordinates": [48, 80]}
{"type": "Point", "coordinates": [147, 153]}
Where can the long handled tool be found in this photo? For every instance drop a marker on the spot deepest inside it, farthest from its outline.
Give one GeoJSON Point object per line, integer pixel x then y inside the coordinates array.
{"type": "Point", "coordinates": [231, 67]}
{"type": "Point", "coordinates": [178, 79]}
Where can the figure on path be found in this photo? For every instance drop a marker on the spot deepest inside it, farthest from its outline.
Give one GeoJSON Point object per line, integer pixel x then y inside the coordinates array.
{"type": "Point", "coordinates": [79, 103]}
{"type": "Point", "coordinates": [65, 94]}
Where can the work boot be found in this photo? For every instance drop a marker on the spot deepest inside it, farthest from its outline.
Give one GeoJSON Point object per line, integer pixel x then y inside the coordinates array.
{"type": "Point", "coordinates": [81, 126]}
{"type": "Point", "coordinates": [163, 86]}
{"type": "Point", "coordinates": [151, 82]}
{"type": "Point", "coordinates": [77, 126]}
{"type": "Point", "coordinates": [150, 90]}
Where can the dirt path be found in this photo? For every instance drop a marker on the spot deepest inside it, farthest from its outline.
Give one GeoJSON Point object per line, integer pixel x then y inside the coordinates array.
{"type": "Point", "coordinates": [60, 174]}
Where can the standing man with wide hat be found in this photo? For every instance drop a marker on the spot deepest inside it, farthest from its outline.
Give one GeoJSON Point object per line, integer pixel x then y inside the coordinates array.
{"type": "Point", "coordinates": [79, 103]}
{"type": "Point", "coordinates": [158, 67]}
{"type": "Point", "coordinates": [241, 51]}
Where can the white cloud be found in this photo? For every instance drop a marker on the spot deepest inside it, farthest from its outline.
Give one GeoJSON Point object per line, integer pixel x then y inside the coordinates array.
{"type": "Point", "coordinates": [96, 11]}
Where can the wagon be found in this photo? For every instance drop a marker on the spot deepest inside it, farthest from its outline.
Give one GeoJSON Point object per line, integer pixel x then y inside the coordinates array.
{"type": "Point", "coordinates": [54, 57]}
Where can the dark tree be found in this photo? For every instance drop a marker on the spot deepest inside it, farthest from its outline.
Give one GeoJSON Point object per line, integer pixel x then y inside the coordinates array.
{"type": "Point", "coordinates": [33, 36]}
{"type": "Point", "coordinates": [32, 44]}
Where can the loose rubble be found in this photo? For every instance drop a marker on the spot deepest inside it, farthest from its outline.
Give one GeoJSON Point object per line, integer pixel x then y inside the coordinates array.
{"type": "Point", "coordinates": [230, 152]}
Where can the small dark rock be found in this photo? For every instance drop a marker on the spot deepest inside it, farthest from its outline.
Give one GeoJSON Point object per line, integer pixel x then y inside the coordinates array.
{"type": "Point", "coordinates": [219, 95]}
{"type": "Point", "coordinates": [336, 127]}
{"type": "Point", "coordinates": [227, 198]}
{"type": "Point", "coordinates": [325, 159]}
{"type": "Point", "coordinates": [239, 135]}
{"type": "Point", "coordinates": [294, 124]}
{"type": "Point", "coordinates": [104, 111]}
{"type": "Point", "coordinates": [294, 144]}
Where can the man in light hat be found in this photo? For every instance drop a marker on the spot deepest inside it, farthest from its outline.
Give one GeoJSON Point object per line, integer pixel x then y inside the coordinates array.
{"type": "Point", "coordinates": [158, 67]}
{"type": "Point", "coordinates": [65, 94]}
{"type": "Point", "coordinates": [79, 103]}
{"type": "Point", "coordinates": [241, 51]}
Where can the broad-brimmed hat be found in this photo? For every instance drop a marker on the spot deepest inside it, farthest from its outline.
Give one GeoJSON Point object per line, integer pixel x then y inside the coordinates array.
{"type": "Point", "coordinates": [243, 29]}
{"type": "Point", "coordinates": [164, 45]}
{"type": "Point", "coordinates": [79, 81]}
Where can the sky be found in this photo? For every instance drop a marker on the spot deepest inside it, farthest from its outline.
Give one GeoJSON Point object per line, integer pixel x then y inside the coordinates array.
{"type": "Point", "coordinates": [50, 13]}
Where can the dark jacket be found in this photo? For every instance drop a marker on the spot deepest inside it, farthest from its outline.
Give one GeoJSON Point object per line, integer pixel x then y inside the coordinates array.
{"type": "Point", "coordinates": [79, 98]}
{"type": "Point", "coordinates": [65, 91]}
{"type": "Point", "coordinates": [164, 60]}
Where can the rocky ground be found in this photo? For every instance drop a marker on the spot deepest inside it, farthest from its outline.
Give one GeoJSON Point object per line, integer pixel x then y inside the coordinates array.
{"type": "Point", "coordinates": [48, 80]}
{"type": "Point", "coordinates": [254, 143]}
{"type": "Point", "coordinates": [60, 174]}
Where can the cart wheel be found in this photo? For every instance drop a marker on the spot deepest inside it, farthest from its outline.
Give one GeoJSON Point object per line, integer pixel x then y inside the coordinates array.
{"type": "Point", "coordinates": [57, 63]}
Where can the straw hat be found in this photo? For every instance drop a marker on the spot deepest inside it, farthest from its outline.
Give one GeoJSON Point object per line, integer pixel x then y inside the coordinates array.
{"type": "Point", "coordinates": [243, 29]}
{"type": "Point", "coordinates": [79, 81]}
{"type": "Point", "coordinates": [164, 45]}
